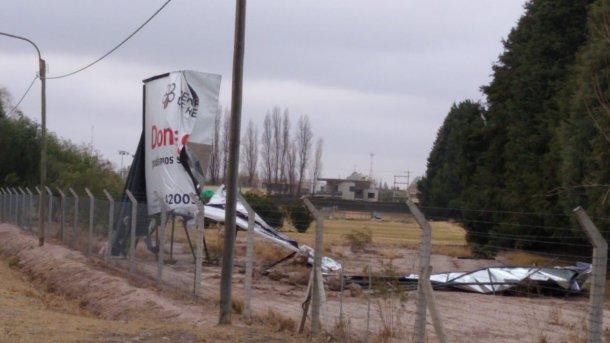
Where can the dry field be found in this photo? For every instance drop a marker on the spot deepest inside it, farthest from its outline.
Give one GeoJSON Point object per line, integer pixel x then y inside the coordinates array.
{"type": "Point", "coordinates": [278, 294]}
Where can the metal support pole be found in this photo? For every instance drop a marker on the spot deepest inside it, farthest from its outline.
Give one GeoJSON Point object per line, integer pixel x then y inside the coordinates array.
{"type": "Point", "coordinates": [368, 305]}
{"type": "Point", "coordinates": [161, 247]}
{"type": "Point", "coordinates": [75, 234]}
{"type": "Point", "coordinates": [91, 213]}
{"type": "Point", "coordinates": [29, 209]}
{"type": "Point", "coordinates": [110, 224]}
{"type": "Point", "coordinates": [226, 276]}
{"type": "Point", "coordinates": [424, 264]}
{"type": "Point", "coordinates": [132, 236]}
{"type": "Point", "coordinates": [249, 257]}
{"type": "Point", "coordinates": [317, 261]}
{"type": "Point", "coordinates": [199, 246]}
{"type": "Point", "coordinates": [62, 223]}
{"type": "Point", "coordinates": [39, 191]}
{"type": "Point", "coordinates": [599, 261]}
{"type": "Point", "coordinates": [50, 214]}
{"type": "Point", "coordinates": [13, 207]}
{"type": "Point", "coordinates": [17, 207]}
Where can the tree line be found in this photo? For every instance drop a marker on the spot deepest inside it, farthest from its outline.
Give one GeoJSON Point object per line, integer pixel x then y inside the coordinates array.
{"type": "Point", "coordinates": [512, 169]}
{"type": "Point", "coordinates": [279, 159]}
{"type": "Point", "coordinates": [68, 165]}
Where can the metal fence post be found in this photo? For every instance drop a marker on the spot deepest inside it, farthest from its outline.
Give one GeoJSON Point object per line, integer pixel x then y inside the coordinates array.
{"type": "Point", "coordinates": [317, 261]}
{"type": "Point", "coordinates": [91, 212]}
{"type": "Point", "coordinates": [29, 209]}
{"type": "Point", "coordinates": [23, 208]}
{"type": "Point", "coordinates": [75, 235]}
{"type": "Point", "coordinates": [62, 223]}
{"type": "Point", "coordinates": [199, 245]}
{"type": "Point", "coordinates": [39, 203]}
{"type": "Point", "coordinates": [249, 257]}
{"type": "Point", "coordinates": [110, 224]}
{"type": "Point", "coordinates": [17, 207]}
{"type": "Point", "coordinates": [436, 318]}
{"type": "Point", "coordinates": [599, 261]}
{"type": "Point", "coordinates": [10, 204]}
{"type": "Point", "coordinates": [2, 201]}
{"type": "Point", "coordinates": [50, 216]}
{"type": "Point", "coordinates": [424, 264]}
{"type": "Point", "coordinates": [132, 236]}
{"type": "Point", "coordinates": [161, 247]}
{"type": "Point", "coordinates": [368, 305]}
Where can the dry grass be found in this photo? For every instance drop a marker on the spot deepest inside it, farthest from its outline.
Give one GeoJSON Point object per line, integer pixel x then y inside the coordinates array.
{"type": "Point", "coordinates": [277, 321]}
{"type": "Point", "coordinates": [521, 258]}
{"type": "Point", "coordinates": [385, 233]}
{"type": "Point", "coordinates": [359, 240]}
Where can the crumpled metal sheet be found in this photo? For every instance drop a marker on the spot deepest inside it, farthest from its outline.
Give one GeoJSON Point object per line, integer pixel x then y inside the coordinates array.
{"type": "Point", "coordinates": [215, 210]}
{"type": "Point", "coordinates": [497, 279]}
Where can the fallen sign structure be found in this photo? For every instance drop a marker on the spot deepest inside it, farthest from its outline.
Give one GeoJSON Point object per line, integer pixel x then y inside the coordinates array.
{"type": "Point", "coordinates": [215, 210]}
{"type": "Point", "coordinates": [548, 280]}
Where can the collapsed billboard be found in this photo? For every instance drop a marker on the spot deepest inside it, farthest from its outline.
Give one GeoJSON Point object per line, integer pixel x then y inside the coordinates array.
{"type": "Point", "coordinates": [179, 110]}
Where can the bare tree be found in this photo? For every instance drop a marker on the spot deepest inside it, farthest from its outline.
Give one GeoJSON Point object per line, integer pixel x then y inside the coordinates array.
{"type": "Point", "coordinates": [250, 152]}
{"type": "Point", "coordinates": [216, 153]}
{"type": "Point", "coordinates": [267, 149]}
{"type": "Point", "coordinates": [285, 145]}
{"type": "Point", "coordinates": [317, 165]}
{"type": "Point", "coordinates": [276, 124]}
{"type": "Point", "coordinates": [291, 165]}
{"type": "Point", "coordinates": [303, 141]}
{"type": "Point", "coordinates": [225, 142]}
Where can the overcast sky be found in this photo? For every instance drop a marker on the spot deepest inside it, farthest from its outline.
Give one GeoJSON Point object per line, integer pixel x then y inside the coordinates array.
{"type": "Point", "coordinates": [373, 76]}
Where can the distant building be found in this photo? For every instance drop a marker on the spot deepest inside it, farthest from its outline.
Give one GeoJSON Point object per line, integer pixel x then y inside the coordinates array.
{"type": "Point", "coordinates": [354, 187]}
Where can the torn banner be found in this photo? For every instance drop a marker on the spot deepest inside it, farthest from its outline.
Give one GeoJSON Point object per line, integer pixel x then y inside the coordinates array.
{"type": "Point", "coordinates": [215, 210]}
{"type": "Point", "coordinates": [179, 110]}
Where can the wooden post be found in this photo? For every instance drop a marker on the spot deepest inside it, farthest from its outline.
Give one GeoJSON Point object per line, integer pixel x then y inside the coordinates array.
{"type": "Point", "coordinates": [598, 282]}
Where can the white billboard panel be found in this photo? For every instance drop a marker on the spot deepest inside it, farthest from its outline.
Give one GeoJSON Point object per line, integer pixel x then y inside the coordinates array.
{"type": "Point", "coordinates": [179, 110]}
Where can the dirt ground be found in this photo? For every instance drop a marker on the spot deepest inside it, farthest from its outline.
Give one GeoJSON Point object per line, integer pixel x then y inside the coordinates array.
{"type": "Point", "coordinates": [467, 316]}
{"type": "Point", "coordinates": [51, 294]}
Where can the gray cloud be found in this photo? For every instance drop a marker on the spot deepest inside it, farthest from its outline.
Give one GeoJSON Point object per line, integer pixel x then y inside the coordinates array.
{"type": "Point", "coordinates": [374, 76]}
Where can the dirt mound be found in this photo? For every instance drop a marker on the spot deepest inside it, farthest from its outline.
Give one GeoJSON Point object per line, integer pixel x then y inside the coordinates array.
{"type": "Point", "coordinates": [67, 271]}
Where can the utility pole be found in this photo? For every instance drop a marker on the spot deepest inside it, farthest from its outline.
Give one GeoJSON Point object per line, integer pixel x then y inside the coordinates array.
{"type": "Point", "coordinates": [122, 153]}
{"type": "Point", "coordinates": [228, 253]}
{"type": "Point", "coordinates": [43, 135]}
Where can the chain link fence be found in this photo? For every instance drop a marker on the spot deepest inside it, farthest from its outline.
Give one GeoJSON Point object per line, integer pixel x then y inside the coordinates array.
{"type": "Point", "coordinates": [377, 295]}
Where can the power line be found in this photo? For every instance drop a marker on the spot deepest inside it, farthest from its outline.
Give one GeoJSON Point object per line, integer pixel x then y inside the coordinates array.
{"type": "Point", "coordinates": [115, 48]}
{"type": "Point", "coordinates": [23, 96]}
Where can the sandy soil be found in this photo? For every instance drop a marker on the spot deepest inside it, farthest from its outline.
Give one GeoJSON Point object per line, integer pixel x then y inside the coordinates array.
{"type": "Point", "coordinates": [52, 294]}
{"type": "Point", "coordinates": [467, 316]}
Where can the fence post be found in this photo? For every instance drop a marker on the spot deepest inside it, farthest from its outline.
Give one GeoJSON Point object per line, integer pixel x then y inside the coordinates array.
{"type": "Point", "coordinates": [132, 236]}
{"type": "Point", "coordinates": [368, 305]}
{"type": "Point", "coordinates": [341, 294]}
{"type": "Point", "coordinates": [317, 261]}
{"type": "Point", "coordinates": [39, 203]}
{"type": "Point", "coordinates": [199, 245]}
{"type": "Point", "coordinates": [2, 201]}
{"type": "Point", "coordinates": [436, 318]}
{"type": "Point", "coordinates": [62, 223]}
{"type": "Point", "coordinates": [91, 212]}
{"type": "Point", "coordinates": [424, 264]}
{"type": "Point", "coordinates": [9, 211]}
{"type": "Point", "coordinates": [110, 224]}
{"type": "Point", "coordinates": [161, 247]}
{"type": "Point", "coordinates": [29, 209]}
{"type": "Point", "coordinates": [23, 208]}
{"type": "Point", "coordinates": [249, 257]}
{"type": "Point", "coordinates": [75, 235]}
{"type": "Point", "coordinates": [15, 204]}
{"type": "Point", "coordinates": [17, 207]}
{"type": "Point", "coordinates": [50, 215]}
{"type": "Point", "coordinates": [599, 261]}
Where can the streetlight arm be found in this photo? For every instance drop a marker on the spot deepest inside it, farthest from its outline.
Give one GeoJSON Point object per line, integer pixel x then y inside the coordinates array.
{"type": "Point", "coordinates": [25, 39]}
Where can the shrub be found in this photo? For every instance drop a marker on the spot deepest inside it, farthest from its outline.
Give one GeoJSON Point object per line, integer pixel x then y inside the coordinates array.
{"type": "Point", "coordinates": [300, 216]}
{"type": "Point", "coordinates": [359, 240]}
{"type": "Point", "coordinates": [265, 208]}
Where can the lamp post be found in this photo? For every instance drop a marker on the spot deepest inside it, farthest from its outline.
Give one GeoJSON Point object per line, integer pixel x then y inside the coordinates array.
{"type": "Point", "coordinates": [122, 153]}
{"type": "Point", "coordinates": [43, 135]}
